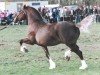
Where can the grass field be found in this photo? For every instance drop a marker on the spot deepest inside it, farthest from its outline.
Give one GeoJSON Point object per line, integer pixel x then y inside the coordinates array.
{"type": "Point", "coordinates": [14, 62]}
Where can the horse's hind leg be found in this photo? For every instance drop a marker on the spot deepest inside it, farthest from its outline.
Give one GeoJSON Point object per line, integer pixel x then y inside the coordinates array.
{"type": "Point", "coordinates": [68, 54]}
{"type": "Point", "coordinates": [75, 48]}
{"type": "Point", "coordinates": [52, 64]}
{"type": "Point", "coordinates": [23, 47]}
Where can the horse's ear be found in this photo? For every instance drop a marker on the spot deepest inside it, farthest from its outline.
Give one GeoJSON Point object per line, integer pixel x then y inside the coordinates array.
{"type": "Point", "coordinates": [24, 7]}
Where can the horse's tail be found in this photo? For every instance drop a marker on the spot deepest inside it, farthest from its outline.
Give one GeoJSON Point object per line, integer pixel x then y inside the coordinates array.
{"type": "Point", "coordinates": [85, 23]}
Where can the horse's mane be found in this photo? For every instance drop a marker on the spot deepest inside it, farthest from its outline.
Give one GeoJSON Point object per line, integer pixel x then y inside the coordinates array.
{"type": "Point", "coordinates": [38, 17]}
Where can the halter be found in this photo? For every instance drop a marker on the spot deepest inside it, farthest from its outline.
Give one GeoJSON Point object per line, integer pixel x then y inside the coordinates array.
{"type": "Point", "coordinates": [19, 14]}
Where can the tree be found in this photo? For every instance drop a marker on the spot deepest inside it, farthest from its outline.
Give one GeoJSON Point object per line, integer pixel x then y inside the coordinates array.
{"type": "Point", "coordinates": [68, 2]}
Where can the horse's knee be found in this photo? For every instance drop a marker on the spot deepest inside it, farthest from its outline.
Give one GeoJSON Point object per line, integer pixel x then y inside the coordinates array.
{"type": "Point", "coordinates": [26, 41]}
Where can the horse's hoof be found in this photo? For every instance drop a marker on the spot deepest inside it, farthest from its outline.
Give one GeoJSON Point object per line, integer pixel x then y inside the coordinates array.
{"type": "Point", "coordinates": [23, 49]}
{"type": "Point", "coordinates": [68, 58]}
{"type": "Point", "coordinates": [83, 67]}
{"type": "Point", "coordinates": [68, 55]}
{"type": "Point", "coordinates": [52, 66]}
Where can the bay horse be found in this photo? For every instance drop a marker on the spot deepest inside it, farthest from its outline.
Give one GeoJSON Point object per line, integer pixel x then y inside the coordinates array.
{"type": "Point", "coordinates": [49, 34]}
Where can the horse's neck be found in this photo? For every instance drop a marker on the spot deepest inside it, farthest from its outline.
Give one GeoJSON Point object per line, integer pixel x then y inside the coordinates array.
{"type": "Point", "coordinates": [32, 24]}
{"type": "Point", "coordinates": [32, 28]}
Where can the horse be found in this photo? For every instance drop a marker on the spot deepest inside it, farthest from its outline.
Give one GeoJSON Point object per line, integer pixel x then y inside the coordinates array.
{"type": "Point", "coordinates": [50, 34]}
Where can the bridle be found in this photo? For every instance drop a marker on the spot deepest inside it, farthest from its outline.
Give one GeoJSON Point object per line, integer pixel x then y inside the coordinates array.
{"type": "Point", "coordinates": [22, 11]}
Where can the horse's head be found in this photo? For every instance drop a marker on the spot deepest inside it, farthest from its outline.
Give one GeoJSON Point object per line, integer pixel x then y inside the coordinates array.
{"type": "Point", "coordinates": [28, 13]}
{"type": "Point", "coordinates": [21, 15]}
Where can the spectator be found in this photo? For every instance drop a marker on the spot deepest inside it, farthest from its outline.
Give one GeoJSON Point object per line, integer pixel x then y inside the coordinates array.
{"type": "Point", "coordinates": [78, 14]}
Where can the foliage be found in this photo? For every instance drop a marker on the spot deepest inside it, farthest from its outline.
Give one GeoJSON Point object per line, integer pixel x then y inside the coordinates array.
{"type": "Point", "coordinates": [68, 2]}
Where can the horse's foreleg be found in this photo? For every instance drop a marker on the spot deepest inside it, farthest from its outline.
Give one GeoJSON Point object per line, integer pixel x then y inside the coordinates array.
{"type": "Point", "coordinates": [52, 64]}
{"type": "Point", "coordinates": [23, 47]}
{"type": "Point", "coordinates": [75, 49]}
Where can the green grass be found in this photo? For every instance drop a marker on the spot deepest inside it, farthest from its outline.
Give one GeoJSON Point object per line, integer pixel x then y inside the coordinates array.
{"type": "Point", "coordinates": [14, 62]}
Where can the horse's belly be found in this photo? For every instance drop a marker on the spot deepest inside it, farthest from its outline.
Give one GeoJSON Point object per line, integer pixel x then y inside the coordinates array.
{"type": "Point", "coordinates": [47, 40]}
{"type": "Point", "coordinates": [52, 42]}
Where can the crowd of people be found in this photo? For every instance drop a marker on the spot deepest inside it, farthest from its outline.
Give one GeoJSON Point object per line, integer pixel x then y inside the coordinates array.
{"type": "Point", "coordinates": [6, 17]}
{"type": "Point", "coordinates": [66, 14]}
{"type": "Point", "coordinates": [58, 14]}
